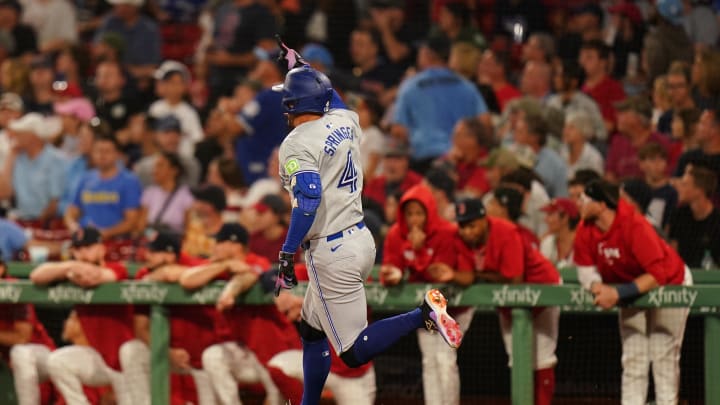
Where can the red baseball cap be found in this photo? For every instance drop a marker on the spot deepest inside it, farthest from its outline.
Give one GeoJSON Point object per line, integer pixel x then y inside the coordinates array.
{"type": "Point", "coordinates": [564, 205]}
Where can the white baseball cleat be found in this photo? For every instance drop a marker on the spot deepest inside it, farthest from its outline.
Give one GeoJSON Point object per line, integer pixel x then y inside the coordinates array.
{"type": "Point", "coordinates": [434, 310]}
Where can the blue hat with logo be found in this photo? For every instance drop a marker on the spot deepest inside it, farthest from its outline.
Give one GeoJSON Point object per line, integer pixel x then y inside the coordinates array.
{"type": "Point", "coordinates": [671, 10]}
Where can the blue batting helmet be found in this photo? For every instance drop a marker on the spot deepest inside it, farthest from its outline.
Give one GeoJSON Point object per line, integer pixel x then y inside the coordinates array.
{"type": "Point", "coordinates": [305, 91]}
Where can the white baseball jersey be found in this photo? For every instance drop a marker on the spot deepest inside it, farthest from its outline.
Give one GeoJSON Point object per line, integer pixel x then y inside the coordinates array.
{"type": "Point", "coordinates": [329, 146]}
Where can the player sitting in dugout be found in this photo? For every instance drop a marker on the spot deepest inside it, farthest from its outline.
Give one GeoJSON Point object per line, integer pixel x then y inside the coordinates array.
{"type": "Point", "coordinates": [496, 252]}
{"type": "Point", "coordinates": [421, 243]}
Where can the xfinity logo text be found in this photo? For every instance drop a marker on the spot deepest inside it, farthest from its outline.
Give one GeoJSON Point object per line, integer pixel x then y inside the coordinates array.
{"type": "Point", "coordinates": [516, 295]}
{"type": "Point", "coordinates": [144, 293]}
{"type": "Point", "coordinates": [207, 295]}
{"type": "Point", "coordinates": [67, 293]}
{"type": "Point", "coordinates": [660, 297]}
{"type": "Point", "coordinates": [10, 293]}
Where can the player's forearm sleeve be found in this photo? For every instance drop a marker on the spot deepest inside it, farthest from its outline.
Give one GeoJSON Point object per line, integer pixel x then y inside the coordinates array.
{"type": "Point", "coordinates": [588, 275]}
{"type": "Point", "coordinates": [300, 223]}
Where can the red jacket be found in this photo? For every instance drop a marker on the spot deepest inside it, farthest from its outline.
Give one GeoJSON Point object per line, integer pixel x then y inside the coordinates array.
{"type": "Point", "coordinates": [439, 236]}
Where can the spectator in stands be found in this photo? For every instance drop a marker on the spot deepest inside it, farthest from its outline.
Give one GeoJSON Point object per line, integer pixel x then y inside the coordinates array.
{"type": "Point", "coordinates": [695, 224]}
{"type": "Point", "coordinates": [624, 34]}
{"type": "Point", "coordinates": [319, 57]}
{"type": "Point", "coordinates": [684, 130]}
{"type": "Point", "coordinates": [532, 131]}
{"type": "Point", "coordinates": [192, 330]}
{"type": "Point", "coordinates": [168, 138]}
{"type": "Point", "coordinates": [240, 26]}
{"type": "Point", "coordinates": [54, 22]}
{"type": "Point", "coordinates": [396, 175]}
{"type": "Point", "coordinates": [373, 141]}
{"type": "Point", "coordinates": [455, 23]}
{"type": "Point", "coordinates": [507, 203]}
{"type": "Point", "coordinates": [660, 99]}
{"type": "Point", "coordinates": [539, 48]}
{"type": "Point", "coordinates": [205, 221]}
{"type": "Point", "coordinates": [654, 164]}
{"type": "Point", "coordinates": [678, 85]}
{"type": "Point", "coordinates": [534, 197]}
{"type": "Point", "coordinates": [103, 328]}
{"type": "Point", "coordinates": [423, 244]}
{"type": "Point", "coordinates": [507, 257]}
{"type": "Point", "coordinates": [535, 80]}
{"type": "Point", "coordinates": [471, 143]}
{"type": "Point", "coordinates": [268, 226]}
{"type": "Point", "coordinates": [705, 78]}
{"type": "Point", "coordinates": [166, 203]}
{"type": "Point", "coordinates": [172, 81]}
{"type": "Point", "coordinates": [272, 184]}
{"type": "Point", "coordinates": [81, 165]}
{"type": "Point", "coordinates": [218, 142]}
{"type": "Point", "coordinates": [562, 217]}
{"type": "Point", "coordinates": [569, 99]}
{"type": "Point", "coordinates": [442, 188]}
{"type": "Point", "coordinates": [41, 95]}
{"type": "Point", "coordinates": [11, 108]}
{"type": "Point", "coordinates": [615, 244]}
{"type": "Point", "coordinates": [225, 173]}
{"type": "Point", "coordinates": [73, 113]}
{"type": "Point", "coordinates": [595, 61]}
{"type": "Point", "coordinates": [112, 103]}
{"type": "Point", "coordinates": [493, 71]}
{"type": "Point", "coordinates": [34, 173]}
{"type": "Point", "coordinates": [263, 334]}
{"type": "Point", "coordinates": [395, 30]}
{"type": "Point", "coordinates": [24, 37]}
{"type": "Point", "coordinates": [430, 103]}
{"type": "Point", "coordinates": [634, 129]}
{"type": "Point", "coordinates": [259, 124]}
{"type": "Point", "coordinates": [701, 24]}
{"type": "Point", "coordinates": [577, 151]}
{"type": "Point", "coordinates": [374, 75]}
{"type": "Point", "coordinates": [668, 41]}
{"type": "Point", "coordinates": [140, 34]}
{"type": "Point", "coordinates": [26, 346]}
{"type": "Point", "coordinates": [12, 240]}
{"type": "Point", "coordinates": [708, 154]}
{"type": "Point", "coordinates": [107, 197]}
{"type": "Point", "coordinates": [72, 65]}
{"type": "Point", "coordinates": [464, 59]}
{"type": "Point", "coordinates": [499, 162]}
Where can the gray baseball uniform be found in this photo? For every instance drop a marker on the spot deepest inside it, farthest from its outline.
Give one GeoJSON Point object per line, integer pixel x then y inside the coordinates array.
{"type": "Point", "coordinates": [340, 251]}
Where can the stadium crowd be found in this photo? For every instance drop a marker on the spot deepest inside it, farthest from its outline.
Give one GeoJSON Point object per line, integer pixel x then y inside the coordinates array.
{"type": "Point", "coordinates": [148, 132]}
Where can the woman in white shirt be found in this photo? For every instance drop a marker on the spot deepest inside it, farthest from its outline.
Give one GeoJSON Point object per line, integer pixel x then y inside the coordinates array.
{"type": "Point", "coordinates": [577, 152]}
{"type": "Point", "coordinates": [562, 216]}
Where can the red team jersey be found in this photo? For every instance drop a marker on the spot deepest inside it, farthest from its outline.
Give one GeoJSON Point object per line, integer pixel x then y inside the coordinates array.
{"type": "Point", "coordinates": [508, 253]}
{"type": "Point", "coordinates": [12, 313]}
{"type": "Point", "coordinates": [630, 248]}
{"type": "Point", "coordinates": [439, 235]}
{"type": "Point", "coordinates": [107, 327]}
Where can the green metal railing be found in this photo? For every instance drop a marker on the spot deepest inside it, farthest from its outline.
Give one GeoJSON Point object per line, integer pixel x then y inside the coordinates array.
{"type": "Point", "coordinates": [703, 299]}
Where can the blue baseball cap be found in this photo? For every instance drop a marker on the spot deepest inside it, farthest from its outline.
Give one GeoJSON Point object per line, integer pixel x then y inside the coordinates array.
{"type": "Point", "coordinates": [317, 53]}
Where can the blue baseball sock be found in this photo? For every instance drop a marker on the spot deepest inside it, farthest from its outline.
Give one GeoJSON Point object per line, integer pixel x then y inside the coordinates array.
{"type": "Point", "coordinates": [380, 335]}
{"type": "Point", "coordinates": [316, 367]}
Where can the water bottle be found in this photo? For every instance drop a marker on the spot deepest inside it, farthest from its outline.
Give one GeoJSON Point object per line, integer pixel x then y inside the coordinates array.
{"type": "Point", "coordinates": [707, 261]}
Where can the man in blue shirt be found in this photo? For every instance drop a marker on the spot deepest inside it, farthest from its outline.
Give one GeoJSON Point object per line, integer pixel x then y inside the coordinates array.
{"type": "Point", "coordinates": [430, 103]}
{"type": "Point", "coordinates": [12, 239]}
{"type": "Point", "coordinates": [108, 197]}
{"type": "Point", "coordinates": [34, 171]}
{"type": "Point", "coordinates": [531, 133]}
{"type": "Point", "coordinates": [140, 33]}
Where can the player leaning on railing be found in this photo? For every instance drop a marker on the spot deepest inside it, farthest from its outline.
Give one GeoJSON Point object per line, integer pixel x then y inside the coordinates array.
{"type": "Point", "coordinates": [320, 168]}
{"type": "Point", "coordinates": [614, 244]}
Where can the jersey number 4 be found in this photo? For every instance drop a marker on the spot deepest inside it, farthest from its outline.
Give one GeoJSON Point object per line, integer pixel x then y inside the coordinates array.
{"type": "Point", "coordinates": [349, 176]}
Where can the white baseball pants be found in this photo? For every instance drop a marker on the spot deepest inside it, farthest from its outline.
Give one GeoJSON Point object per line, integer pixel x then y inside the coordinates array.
{"type": "Point", "coordinates": [135, 362]}
{"type": "Point", "coordinates": [441, 377]}
{"type": "Point", "coordinates": [29, 368]}
{"type": "Point", "coordinates": [652, 336]}
{"type": "Point", "coordinates": [229, 363]}
{"type": "Point", "coordinates": [545, 336]}
{"type": "Point", "coordinates": [71, 367]}
{"type": "Point", "coordinates": [346, 391]}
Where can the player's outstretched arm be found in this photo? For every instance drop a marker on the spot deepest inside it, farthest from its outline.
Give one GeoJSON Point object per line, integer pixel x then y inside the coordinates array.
{"type": "Point", "coordinates": [198, 276]}
{"type": "Point", "coordinates": [49, 272]}
{"type": "Point", "coordinates": [237, 285]}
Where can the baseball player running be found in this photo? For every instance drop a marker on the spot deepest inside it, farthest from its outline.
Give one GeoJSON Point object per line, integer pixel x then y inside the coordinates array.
{"type": "Point", "coordinates": [616, 244]}
{"type": "Point", "coordinates": [100, 329]}
{"type": "Point", "coordinates": [320, 167]}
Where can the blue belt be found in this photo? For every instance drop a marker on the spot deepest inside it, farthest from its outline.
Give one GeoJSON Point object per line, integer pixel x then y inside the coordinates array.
{"type": "Point", "coordinates": [336, 235]}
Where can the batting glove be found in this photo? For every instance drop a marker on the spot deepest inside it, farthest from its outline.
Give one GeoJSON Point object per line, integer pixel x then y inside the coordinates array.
{"type": "Point", "coordinates": [286, 272]}
{"type": "Point", "coordinates": [289, 55]}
